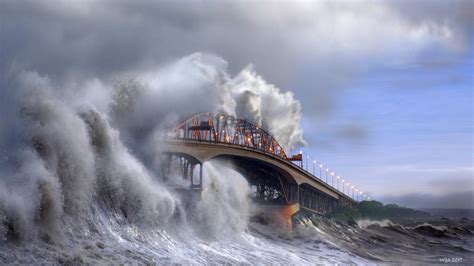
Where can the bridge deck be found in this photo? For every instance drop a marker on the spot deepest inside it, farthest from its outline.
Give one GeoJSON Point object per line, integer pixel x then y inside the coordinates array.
{"type": "Point", "coordinates": [204, 150]}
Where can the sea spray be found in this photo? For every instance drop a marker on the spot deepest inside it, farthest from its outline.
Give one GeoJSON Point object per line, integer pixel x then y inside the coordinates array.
{"type": "Point", "coordinates": [364, 223]}
{"type": "Point", "coordinates": [124, 184]}
{"type": "Point", "coordinates": [223, 210]}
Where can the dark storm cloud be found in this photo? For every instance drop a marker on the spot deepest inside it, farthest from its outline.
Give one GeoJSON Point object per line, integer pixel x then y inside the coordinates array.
{"type": "Point", "coordinates": [58, 37]}
{"type": "Point", "coordinates": [105, 37]}
{"type": "Point", "coordinates": [456, 14]}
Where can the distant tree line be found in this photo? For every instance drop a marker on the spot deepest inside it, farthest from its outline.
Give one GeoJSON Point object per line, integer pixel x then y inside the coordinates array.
{"type": "Point", "coordinates": [376, 210]}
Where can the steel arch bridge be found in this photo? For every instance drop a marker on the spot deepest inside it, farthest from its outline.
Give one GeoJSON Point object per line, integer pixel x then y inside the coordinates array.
{"type": "Point", "coordinates": [255, 153]}
{"type": "Point", "coordinates": [222, 128]}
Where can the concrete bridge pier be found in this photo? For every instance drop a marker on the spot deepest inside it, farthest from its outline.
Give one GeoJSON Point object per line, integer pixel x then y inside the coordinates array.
{"type": "Point", "coordinates": [186, 165]}
{"type": "Point", "coordinates": [198, 185]}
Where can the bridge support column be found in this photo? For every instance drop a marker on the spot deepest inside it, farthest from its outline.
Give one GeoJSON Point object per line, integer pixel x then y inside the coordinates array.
{"type": "Point", "coordinates": [298, 194]}
{"type": "Point", "coordinates": [185, 167]}
{"type": "Point", "coordinates": [199, 185]}
{"type": "Point", "coordinates": [165, 166]}
{"type": "Point", "coordinates": [191, 176]}
{"type": "Point", "coordinates": [200, 176]}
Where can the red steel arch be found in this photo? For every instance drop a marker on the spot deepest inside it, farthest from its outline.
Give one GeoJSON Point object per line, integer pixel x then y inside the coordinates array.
{"type": "Point", "coordinates": [222, 128]}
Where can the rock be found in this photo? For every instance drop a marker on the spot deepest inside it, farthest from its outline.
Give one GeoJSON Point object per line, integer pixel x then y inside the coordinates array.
{"type": "Point", "coordinates": [352, 222]}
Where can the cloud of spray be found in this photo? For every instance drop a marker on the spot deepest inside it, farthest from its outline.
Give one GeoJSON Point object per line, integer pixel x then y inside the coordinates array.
{"type": "Point", "coordinates": [76, 144]}
{"type": "Point", "coordinates": [225, 205]}
{"type": "Point", "coordinates": [201, 83]}
{"type": "Point", "coordinates": [124, 184]}
{"type": "Point", "coordinates": [269, 106]}
{"type": "Point", "coordinates": [49, 169]}
{"type": "Point", "coordinates": [63, 159]}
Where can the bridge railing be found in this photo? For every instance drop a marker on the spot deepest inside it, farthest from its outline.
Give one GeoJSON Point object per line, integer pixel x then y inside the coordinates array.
{"type": "Point", "coordinates": [221, 128]}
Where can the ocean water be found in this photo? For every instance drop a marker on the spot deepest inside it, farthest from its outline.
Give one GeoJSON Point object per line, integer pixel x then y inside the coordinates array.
{"type": "Point", "coordinates": [222, 227]}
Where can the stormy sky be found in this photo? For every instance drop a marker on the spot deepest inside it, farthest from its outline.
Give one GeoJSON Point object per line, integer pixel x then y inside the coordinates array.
{"type": "Point", "coordinates": [386, 87]}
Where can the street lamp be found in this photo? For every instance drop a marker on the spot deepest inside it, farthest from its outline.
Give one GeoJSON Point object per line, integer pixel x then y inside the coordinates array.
{"type": "Point", "coordinates": [314, 167]}
{"type": "Point", "coordinates": [343, 181]}
{"type": "Point", "coordinates": [301, 153]}
{"type": "Point", "coordinates": [307, 159]}
{"type": "Point", "coordinates": [320, 169]}
{"type": "Point", "coordinates": [332, 178]}
{"type": "Point", "coordinates": [327, 171]}
{"type": "Point", "coordinates": [338, 177]}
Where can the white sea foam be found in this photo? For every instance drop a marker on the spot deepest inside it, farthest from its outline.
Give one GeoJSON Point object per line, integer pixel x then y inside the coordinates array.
{"type": "Point", "coordinates": [364, 223]}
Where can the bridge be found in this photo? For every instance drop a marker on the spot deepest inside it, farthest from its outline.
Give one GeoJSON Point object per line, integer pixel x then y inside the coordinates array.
{"type": "Point", "coordinates": [274, 177]}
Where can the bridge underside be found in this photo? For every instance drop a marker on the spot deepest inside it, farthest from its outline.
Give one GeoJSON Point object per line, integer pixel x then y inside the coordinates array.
{"type": "Point", "coordinates": [269, 184]}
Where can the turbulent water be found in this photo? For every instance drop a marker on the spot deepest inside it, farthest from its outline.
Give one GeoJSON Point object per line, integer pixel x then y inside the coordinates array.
{"type": "Point", "coordinates": [218, 232]}
{"type": "Point", "coordinates": [80, 182]}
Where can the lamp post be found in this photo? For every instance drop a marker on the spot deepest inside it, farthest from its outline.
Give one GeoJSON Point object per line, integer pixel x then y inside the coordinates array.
{"type": "Point", "coordinates": [343, 181]}
{"type": "Point", "coordinates": [301, 164]}
{"type": "Point", "coordinates": [314, 167]}
{"type": "Point", "coordinates": [338, 177]}
{"type": "Point", "coordinates": [348, 187]}
{"type": "Point", "coordinates": [307, 159]}
{"type": "Point", "coordinates": [320, 169]}
{"type": "Point", "coordinates": [332, 179]}
{"type": "Point", "coordinates": [327, 171]}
